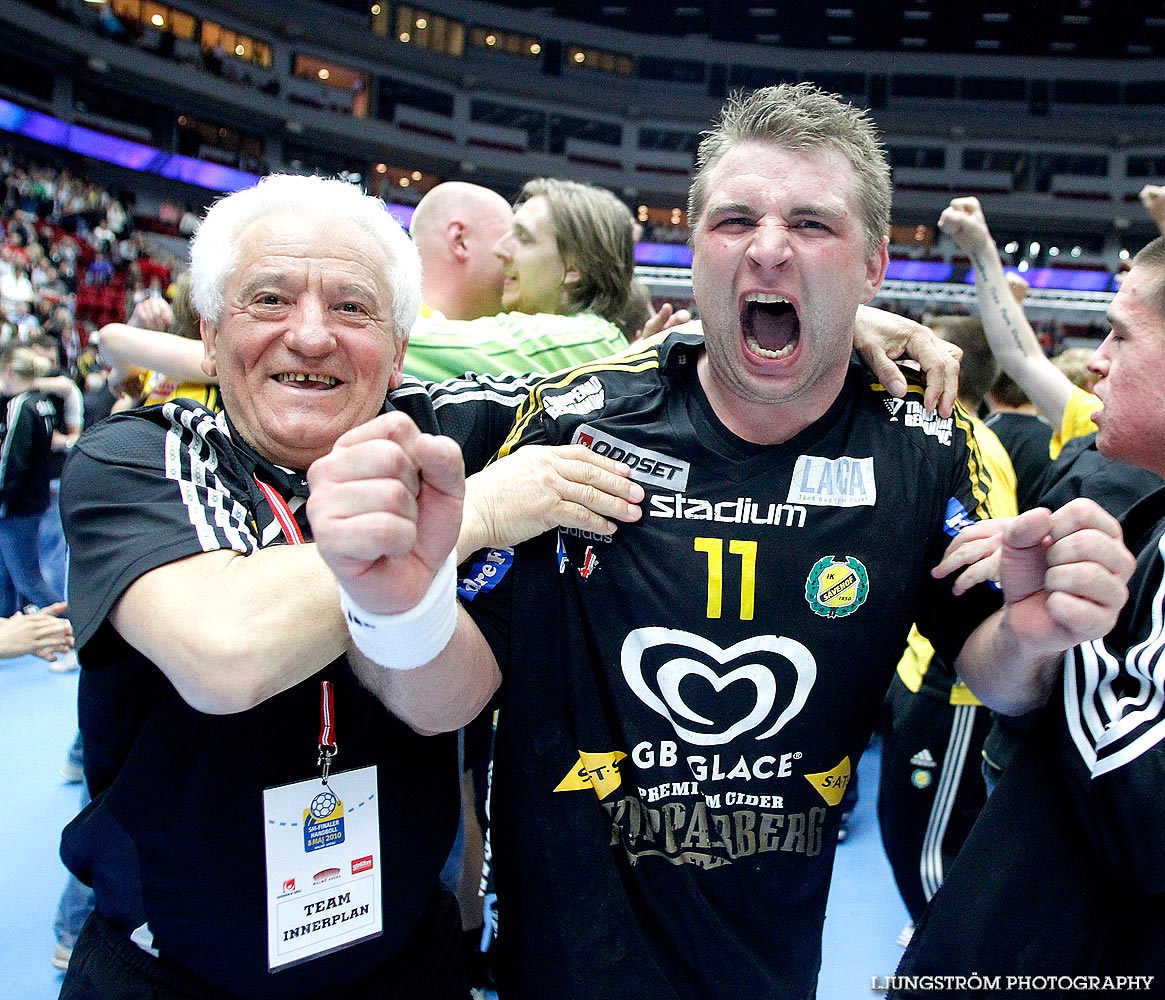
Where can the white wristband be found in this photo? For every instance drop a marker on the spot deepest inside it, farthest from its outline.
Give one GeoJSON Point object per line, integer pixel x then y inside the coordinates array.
{"type": "Point", "coordinates": [411, 638]}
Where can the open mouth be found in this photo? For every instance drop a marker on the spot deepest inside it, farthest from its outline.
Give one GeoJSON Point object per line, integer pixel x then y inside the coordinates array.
{"type": "Point", "coordinates": [770, 324]}
{"type": "Point", "coordinates": [307, 380]}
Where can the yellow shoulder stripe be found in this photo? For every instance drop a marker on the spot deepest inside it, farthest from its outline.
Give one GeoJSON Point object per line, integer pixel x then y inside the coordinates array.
{"type": "Point", "coordinates": [532, 407]}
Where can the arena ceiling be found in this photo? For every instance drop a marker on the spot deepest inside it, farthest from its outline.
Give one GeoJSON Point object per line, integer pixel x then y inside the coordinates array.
{"type": "Point", "coordinates": [1119, 29]}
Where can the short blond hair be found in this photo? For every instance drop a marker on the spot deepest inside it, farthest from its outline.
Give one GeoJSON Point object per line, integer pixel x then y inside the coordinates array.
{"type": "Point", "coordinates": [1074, 363]}
{"type": "Point", "coordinates": [800, 117]}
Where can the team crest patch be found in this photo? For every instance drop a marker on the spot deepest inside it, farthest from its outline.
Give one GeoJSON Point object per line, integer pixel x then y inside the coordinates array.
{"type": "Point", "coordinates": [920, 779]}
{"type": "Point", "coordinates": [837, 586]}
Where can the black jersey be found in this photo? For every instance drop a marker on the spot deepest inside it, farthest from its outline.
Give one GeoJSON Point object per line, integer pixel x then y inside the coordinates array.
{"type": "Point", "coordinates": [173, 840]}
{"type": "Point", "coordinates": [1064, 872]}
{"type": "Point", "coordinates": [684, 702]}
{"type": "Point", "coordinates": [1113, 726]}
{"type": "Point", "coordinates": [1080, 470]}
{"type": "Point", "coordinates": [26, 441]}
{"type": "Point", "coordinates": [1026, 437]}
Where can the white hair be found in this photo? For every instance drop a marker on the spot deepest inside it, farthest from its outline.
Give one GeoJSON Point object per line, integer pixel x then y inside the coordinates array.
{"type": "Point", "coordinates": [214, 251]}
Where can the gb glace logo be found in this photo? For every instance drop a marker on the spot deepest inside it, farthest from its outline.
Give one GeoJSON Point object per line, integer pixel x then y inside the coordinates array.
{"type": "Point", "coordinates": [712, 695]}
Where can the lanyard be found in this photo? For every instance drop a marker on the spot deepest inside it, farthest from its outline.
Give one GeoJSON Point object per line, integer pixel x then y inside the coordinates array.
{"type": "Point", "coordinates": [327, 740]}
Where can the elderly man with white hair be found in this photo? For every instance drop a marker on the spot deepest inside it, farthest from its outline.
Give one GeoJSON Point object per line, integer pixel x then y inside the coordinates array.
{"type": "Point", "coordinates": [271, 810]}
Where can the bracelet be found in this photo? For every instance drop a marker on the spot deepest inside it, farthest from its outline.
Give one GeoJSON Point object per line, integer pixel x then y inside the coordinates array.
{"type": "Point", "coordinates": [411, 638]}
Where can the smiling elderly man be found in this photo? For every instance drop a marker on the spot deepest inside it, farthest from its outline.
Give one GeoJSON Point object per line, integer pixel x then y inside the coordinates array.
{"type": "Point", "coordinates": [268, 819]}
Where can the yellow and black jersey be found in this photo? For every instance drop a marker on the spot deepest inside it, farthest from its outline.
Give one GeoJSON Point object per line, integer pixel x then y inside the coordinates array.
{"type": "Point", "coordinates": [915, 666]}
{"type": "Point", "coordinates": [684, 701]}
{"type": "Point", "coordinates": [158, 388]}
{"type": "Point", "coordinates": [1076, 420]}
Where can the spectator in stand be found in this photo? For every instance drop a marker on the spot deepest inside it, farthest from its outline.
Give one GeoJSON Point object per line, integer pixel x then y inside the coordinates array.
{"type": "Point", "coordinates": [101, 271]}
{"type": "Point", "coordinates": [188, 224]}
{"type": "Point", "coordinates": [15, 287]}
{"type": "Point", "coordinates": [23, 320]}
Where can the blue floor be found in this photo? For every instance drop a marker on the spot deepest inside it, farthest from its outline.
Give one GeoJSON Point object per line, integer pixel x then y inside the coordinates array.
{"type": "Point", "coordinates": [39, 709]}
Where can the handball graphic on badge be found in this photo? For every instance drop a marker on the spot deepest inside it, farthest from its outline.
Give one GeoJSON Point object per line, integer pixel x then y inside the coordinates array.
{"type": "Point", "coordinates": [323, 821]}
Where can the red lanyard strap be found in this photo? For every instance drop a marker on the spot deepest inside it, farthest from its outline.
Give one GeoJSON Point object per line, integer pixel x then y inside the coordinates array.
{"type": "Point", "coordinates": [328, 746]}
{"type": "Point", "coordinates": [294, 536]}
{"type": "Point", "coordinates": [282, 513]}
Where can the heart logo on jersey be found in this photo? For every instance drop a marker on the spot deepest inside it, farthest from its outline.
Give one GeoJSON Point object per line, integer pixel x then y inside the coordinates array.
{"type": "Point", "coordinates": [668, 669]}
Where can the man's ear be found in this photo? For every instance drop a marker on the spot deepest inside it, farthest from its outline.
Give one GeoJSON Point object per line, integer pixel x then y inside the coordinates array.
{"type": "Point", "coordinates": [572, 276]}
{"type": "Point", "coordinates": [455, 238]}
{"type": "Point", "coordinates": [399, 346]}
{"type": "Point", "coordinates": [876, 265]}
{"type": "Point", "coordinates": [209, 334]}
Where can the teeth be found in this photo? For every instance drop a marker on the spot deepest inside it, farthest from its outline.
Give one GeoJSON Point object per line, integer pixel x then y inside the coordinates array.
{"type": "Point", "coordinates": [765, 298]}
{"type": "Point", "coordinates": [784, 352]}
{"type": "Point", "coordinates": [306, 377]}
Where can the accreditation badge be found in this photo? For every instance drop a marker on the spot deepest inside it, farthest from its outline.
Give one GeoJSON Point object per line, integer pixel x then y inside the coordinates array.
{"type": "Point", "coordinates": [323, 865]}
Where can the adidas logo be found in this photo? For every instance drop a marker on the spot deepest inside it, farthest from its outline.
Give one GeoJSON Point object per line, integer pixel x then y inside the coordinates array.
{"type": "Point", "coordinates": [893, 405]}
{"type": "Point", "coordinates": [923, 759]}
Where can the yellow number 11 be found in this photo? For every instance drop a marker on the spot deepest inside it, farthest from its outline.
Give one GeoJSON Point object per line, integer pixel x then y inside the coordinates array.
{"type": "Point", "coordinates": [714, 547]}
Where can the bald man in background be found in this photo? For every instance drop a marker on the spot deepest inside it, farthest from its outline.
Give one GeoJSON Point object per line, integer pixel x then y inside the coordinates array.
{"type": "Point", "coordinates": [552, 319]}
{"type": "Point", "coordinates": [455, 227]}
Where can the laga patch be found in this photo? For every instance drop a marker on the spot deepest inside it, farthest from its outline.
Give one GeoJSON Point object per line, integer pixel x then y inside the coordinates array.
{"type": "Point", "coordinates": [833, 482]}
